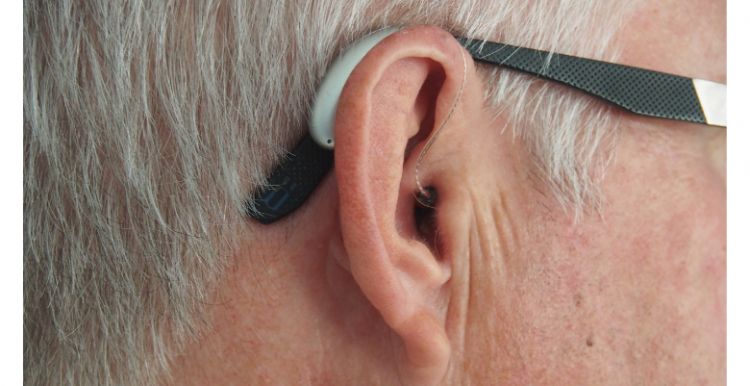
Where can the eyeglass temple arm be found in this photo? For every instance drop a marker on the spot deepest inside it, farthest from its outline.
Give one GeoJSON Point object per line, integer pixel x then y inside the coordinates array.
{"type": "Point", "coordinates": [637, 90]}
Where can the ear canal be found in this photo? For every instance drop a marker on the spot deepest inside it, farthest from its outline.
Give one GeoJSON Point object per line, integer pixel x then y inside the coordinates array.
{"type": "Point", "coordinates": [425, 221]}
{"type": "Point", "coordinates": [427, 198]}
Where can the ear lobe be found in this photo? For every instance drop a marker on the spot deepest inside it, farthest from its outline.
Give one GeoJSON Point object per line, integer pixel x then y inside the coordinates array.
{"type": "Point", "coordinates": [389, 96]}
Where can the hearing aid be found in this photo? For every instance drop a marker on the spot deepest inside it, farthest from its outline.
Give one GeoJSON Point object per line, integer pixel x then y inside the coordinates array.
{"type": "Point", "coordinates": [294, 180]}
{"type": "Point", "coordinates": [323, 114]}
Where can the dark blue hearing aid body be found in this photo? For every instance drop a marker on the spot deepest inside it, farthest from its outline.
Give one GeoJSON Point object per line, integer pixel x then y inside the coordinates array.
{"type": "Point", "coordinates": [291, 183]}
{"type": "Point", "coordinates": [637, 90]}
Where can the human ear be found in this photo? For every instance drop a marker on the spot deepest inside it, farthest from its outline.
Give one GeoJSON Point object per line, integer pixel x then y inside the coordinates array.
{"type": "Point", "coordinates": [393, 102]}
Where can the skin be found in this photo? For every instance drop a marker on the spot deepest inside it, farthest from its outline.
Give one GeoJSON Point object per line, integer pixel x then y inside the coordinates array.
{"type": "Point", "coordinates": [504, 287]}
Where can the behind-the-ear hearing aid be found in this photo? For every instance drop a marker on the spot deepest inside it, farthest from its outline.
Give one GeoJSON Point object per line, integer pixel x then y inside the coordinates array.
{"type": "Point", "coordinates": [323, 113]}
{"type": "Point", "coordinates": [637, 90]}
{"type": "Point", "coordinates": [291, 184]}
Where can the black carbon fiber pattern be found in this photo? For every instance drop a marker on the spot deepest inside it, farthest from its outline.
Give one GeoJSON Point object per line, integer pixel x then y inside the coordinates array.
{"type": "Point", "coordinates": [634, 89]}
{"type": "Point", "coordinates": [292, 182]}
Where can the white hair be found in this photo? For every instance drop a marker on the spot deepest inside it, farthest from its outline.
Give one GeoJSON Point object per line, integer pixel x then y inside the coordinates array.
{"type": "Point", "coordinates": [147, 124]}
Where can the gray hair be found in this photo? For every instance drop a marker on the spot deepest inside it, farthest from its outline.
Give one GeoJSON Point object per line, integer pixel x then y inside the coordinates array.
{"type": "Point", "coordinates": [148, 123]}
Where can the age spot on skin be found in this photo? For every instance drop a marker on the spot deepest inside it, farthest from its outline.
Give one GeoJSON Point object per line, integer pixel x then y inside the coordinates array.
{"type": "Point", "coordinates": [590, 341]}
{"type": "Point", "coordinates": [578, 299]}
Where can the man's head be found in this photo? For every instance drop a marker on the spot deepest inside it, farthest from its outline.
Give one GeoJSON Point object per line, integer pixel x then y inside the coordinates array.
{"type": "Point", "coordinates": [148, 125]}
